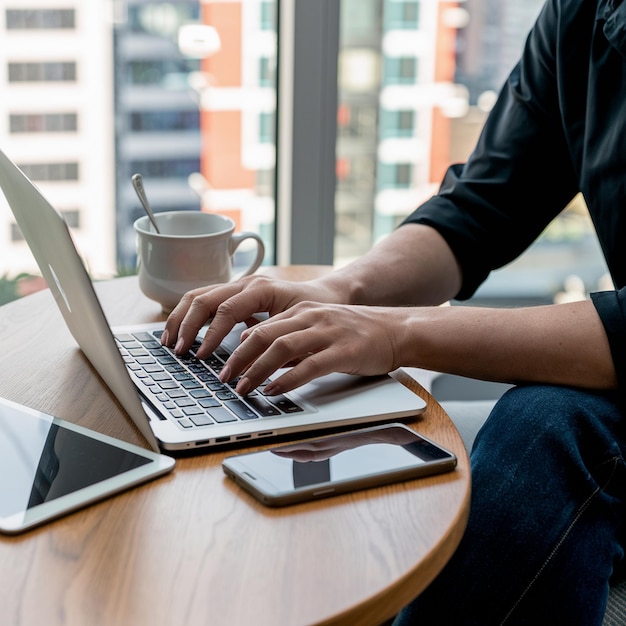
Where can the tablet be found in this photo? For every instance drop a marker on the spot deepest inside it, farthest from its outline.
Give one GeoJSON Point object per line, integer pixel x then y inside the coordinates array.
{"type": "Point", "coordinates": [50, 467]}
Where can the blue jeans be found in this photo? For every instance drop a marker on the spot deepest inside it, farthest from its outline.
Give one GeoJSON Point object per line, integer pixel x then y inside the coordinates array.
{"type": "Point", "coordinates": [546, 530]}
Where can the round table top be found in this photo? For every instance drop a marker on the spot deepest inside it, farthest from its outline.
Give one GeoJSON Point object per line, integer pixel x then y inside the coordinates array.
{"type": "Point", "coordinates": [191, 547]}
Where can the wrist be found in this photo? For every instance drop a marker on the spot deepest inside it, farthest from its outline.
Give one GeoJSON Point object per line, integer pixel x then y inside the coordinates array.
{"type": "Point", "coordinates": [344, 287]}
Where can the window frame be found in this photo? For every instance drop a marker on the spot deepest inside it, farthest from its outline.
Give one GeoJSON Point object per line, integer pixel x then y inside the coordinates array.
{"type": "Point", "coordinates": [307, 100]}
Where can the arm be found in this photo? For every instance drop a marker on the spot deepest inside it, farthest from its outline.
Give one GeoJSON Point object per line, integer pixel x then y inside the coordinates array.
{"type": "Point", "coordinates": [388, 275]}
{"type": "Point", "coordinates": [485, 214]}
{"type": "Point", "coordinates": [559, 344]}
{"type": "Point", "coordinates": [412, 266]}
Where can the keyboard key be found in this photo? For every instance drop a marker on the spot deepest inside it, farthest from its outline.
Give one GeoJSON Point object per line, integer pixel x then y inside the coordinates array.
{"type": "Point", "coordinates": [222, 415]}
{"type": "Point", "coordinates": [284, 404]}
{"type": "Point", "coordinates": [201, 420]}
{"type": "Point", "coordinates": [182, 402]}
{"type": "Point", "coordinates": [225, 394]}
{"type": "Point", "coordinates": [241, 410]}
{"type": "Point", "coordinates": [209, 403]}
{"type": "Point", "coordinates": [262, 405]}
{"type": "Point", "coordinates": [200, 393]}
{"type": "Point", "coordinates": [188, 389]}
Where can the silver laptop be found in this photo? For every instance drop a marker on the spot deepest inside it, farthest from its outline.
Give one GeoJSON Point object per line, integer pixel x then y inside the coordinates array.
{"type": "Point", "coordinates": [178, 404]}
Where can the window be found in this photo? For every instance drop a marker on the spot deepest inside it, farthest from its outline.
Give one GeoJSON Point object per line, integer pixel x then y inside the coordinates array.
{"type": "Point", "coordinates": [72, 217]}
{"type": "Point", "coordinates": [401, 14]}
{"type": "Point", "coordinates": [16, 234]}
{"type": "Point", "coordinates": [395, 175]}
{"type": "Point", "coordinates": [266, 72]}
{"type": "Point", "coordinates": [266, 127]}
{"type": "Point", "coordinates": [371, 100]}
{"type": "Point", "coordinates": [265, 183]}
{"type": "Point", "coordinates": [50, 71]}
{"type": "Point", "coordinates": [50, 171]}
{"type": "Point", "coordinates": [396, 123]}
{"type": "Point", "coordinates": [166, 168]}
{"type": "Point", "coordinates": [268, 15]}
{"type": "Point", "coordinates": [34, 19]}
{"type": "Point", "coordinates": [159, 19]}
{"type": "Point", "coordinates": [400, 70]}
{"type": "Point", "coordinates": [161, 72]}
{"type": "Point", "coordinates": [43, 123]}
{"type": "Point", "coordinates": [159, 121]}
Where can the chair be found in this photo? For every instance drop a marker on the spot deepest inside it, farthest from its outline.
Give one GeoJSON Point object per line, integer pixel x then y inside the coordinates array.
{"type": "Point", "coordinates": [468, 402]}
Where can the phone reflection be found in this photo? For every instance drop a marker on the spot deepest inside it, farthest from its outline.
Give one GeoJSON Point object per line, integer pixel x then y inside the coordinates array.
{"type": "Point", "coordinates": [311, 459]}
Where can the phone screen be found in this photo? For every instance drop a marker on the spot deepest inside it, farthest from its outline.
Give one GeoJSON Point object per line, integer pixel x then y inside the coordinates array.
{"type": "Point", "coordinates": [337, 463]}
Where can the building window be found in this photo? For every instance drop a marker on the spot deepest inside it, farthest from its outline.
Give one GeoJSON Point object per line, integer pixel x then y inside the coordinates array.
{"type": "Point", "coordinates": [52, 71]}
{"type": "Point", "coordinates": [166, 168]}
{"type": "Point", "coordinates": [266, 72]}
{"type": "Point", "coordinates": [16, 233]}
{"type": "Point", "coordinates": [161, 18]}
{"type": "Point", "coordinates": [172, 73]}
{"type": "Point", "coordinates": [401, 14]}
{"type": "Point", "coordinates": [400, 71]}
{"type": "Point", "coordinates": [265, 183]}
{"type": "Point", "coordinates": [396, 123]}
{"type": "Point", "coordinates": [159, 121]}
{"type": "Point", "coordinates": [50, 171]}
{"type": "Point", "coordinates": [40, 19]}
{"type": "Point", "coordinates": [266, 128]}
{"type": "Point", "coordinates": [268, 15]}
{"type": "Point", "coordinates": [356, 119]}
{"type": "Point", "coordinates": [43, 123]}
{"type": "Point", "coordinates": [395, 175]}
{"type": "Point", "coordinates": [71, 217]}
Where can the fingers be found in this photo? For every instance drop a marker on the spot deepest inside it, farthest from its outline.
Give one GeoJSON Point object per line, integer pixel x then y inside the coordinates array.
{"type": "Point", "coordinates": [222, 305]}
{"type": "Point", "coordinates": [185, 322]}
{"type": "Point", "coordinates": [318, 338]}
{"type": "Point", "coordinates": [301, 335]}
{"type": "Point", "coordinates": [225, 306]}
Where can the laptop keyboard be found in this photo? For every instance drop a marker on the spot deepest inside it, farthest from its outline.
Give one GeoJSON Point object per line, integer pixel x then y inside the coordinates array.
{"type": "Point", "coordinates": [188, 389]}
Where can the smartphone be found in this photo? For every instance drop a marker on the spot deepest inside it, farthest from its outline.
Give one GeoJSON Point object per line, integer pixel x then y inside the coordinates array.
{"type": "Point", "coordinates": [339, 463]}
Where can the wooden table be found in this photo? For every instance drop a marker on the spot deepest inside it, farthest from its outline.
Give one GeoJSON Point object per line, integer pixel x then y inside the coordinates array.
{"type": "Point", "coordinates": [191, 548]}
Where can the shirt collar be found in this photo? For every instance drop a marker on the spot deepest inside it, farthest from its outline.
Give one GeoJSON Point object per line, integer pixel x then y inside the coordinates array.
{"type": "Point", "coordinates": [613, 14]}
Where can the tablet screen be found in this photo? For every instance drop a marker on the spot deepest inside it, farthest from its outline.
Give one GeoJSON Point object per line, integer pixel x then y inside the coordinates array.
{"type": "Point", "coordinates": [49, 467]}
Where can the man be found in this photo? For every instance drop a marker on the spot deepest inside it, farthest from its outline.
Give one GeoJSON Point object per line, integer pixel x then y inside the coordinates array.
{"type": "Point", "coordinates": [546, 527]}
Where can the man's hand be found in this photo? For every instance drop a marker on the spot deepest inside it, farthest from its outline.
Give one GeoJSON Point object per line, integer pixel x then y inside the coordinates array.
{"type": "Point", "coordinates": [228, 304]}
{"type": "Point", "coordinates": [315, 339]}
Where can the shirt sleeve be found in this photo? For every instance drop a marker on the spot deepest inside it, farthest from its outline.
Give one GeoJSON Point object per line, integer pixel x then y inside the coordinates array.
{"type": "Point", "coordinates": [611, 307]}
{"type": "Point", "coordinates": [520, 175]}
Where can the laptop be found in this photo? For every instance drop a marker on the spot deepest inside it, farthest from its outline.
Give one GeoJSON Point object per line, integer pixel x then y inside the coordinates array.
{"type": "Point", "coordinates": [176, 403]}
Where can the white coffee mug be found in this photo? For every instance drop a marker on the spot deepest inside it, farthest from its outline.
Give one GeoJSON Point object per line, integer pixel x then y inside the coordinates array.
{"type": "Point", "coordinates": [192, 249]}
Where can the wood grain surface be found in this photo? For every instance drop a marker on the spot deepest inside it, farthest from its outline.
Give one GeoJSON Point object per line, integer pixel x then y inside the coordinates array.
{"type": "Point", "coordinates": [191, 548]}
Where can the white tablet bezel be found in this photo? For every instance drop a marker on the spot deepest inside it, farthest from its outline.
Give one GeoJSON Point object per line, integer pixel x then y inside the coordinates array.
{"type": "Point", "coordinates": [158, 464]}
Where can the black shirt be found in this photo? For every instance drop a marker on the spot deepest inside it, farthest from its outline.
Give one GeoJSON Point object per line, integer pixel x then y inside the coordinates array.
{"type": "Point", "coordinates": [558, 128]}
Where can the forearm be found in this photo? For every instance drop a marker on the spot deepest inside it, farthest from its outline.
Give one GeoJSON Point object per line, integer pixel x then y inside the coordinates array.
{"type": "Point", "coordinates": [412, 266]}
{"type": "Point", "coordinates": [559, 344]}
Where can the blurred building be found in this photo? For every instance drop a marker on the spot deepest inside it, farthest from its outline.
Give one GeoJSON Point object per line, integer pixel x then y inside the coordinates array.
{"type": "Point", "coordinates": [56, 121]}
{"type": "Point", "coordinates": [184, 93]}
{"type": "Point", "coordinates": [157, 120]}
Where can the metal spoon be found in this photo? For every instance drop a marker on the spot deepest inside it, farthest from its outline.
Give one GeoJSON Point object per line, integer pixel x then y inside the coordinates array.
{"type": "Point", "coordinates": [138, 185]}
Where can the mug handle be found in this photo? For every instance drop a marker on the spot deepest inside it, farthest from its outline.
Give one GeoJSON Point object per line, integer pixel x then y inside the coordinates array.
{"type": "Point", "coordinates": [238, 238]}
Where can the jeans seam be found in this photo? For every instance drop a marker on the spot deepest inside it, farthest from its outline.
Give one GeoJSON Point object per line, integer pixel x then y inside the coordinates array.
{"type": "Point", "coordinates": [564, 536]}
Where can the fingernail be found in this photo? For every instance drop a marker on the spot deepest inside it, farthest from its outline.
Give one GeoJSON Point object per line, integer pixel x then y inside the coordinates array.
{"type": "Point", "coordinates": [271, 390]}
{"type": "Point", "coordinates": [225, 374]}
{"type": "Point", "coordinates": [165, 338]}
{"type": "Point", "coordinates": [243, 387]}
{"type": "Point", "coordinates": [179, 345]}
